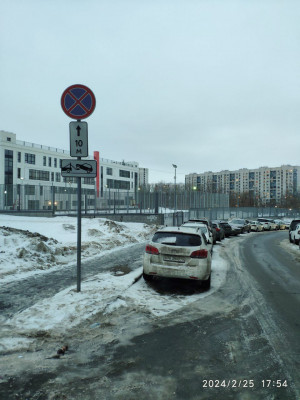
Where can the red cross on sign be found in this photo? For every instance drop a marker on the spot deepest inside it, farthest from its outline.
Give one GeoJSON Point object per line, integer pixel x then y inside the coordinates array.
{"type": "Point", "coordinates": [78, 101]}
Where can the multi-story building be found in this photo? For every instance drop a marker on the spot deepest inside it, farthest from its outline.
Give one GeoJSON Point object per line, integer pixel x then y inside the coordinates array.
{"type": "Point", "coordinates": [143, 177]}
{"type": "Point", "coordinates": [264, 184]}
{"type": "Point", "coordinates": [30, 176]}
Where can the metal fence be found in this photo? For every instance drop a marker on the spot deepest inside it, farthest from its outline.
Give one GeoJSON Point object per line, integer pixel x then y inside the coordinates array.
{"type": "Point", "coordinates": [64, 198]}
{"type": "Point", "coordinates": [186, 205]}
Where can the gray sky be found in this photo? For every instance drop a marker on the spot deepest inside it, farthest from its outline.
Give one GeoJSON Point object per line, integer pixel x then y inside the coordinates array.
{"type": "Point", "coordinates": [205, 84]}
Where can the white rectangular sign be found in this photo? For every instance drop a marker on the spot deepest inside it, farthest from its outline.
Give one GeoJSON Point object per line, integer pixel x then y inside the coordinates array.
{"type": "Point", "coordinates": [79, 168]}
{"type": "Point", "coordinates": [78, 139]}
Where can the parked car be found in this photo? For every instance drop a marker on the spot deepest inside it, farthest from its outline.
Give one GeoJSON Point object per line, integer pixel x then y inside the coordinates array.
{"type": "Point", "coordinates": [219, 230]}
{"type": "Point", "coordinates": [202, 220]}
{"type": "Point", "coordinates": [208, 223]}
{"type": "Point", "coordinates": [178, 252]}
{"type": "Point", "coordinates": [241, 223]}
{"type": "Point", "coordinates": [228, 231]}
{"type": "Point", "coordinates": [287, 223]}
{"type": "Point", "coordinates": [274, 225]}
{"type": "Point", "coordinates": [266, 223]}
{"type": "Point", "coordinates": [292, 227]}
{"type": "Point", "coordinates": [281, 225]}
{"type": "Point", "coordinates": [295, 234]}
{"type": "Point", "coordinates": [235, 229]}
{"type": "Point", "coordinates": [204, 229]}
{"type": "Point", "coordinates": [256, 226]}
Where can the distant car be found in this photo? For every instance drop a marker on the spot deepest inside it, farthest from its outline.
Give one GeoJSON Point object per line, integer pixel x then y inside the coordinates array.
{"type": "Point", "coordinates": [240, 223]}
{"type": "Point", "coordinates": [281, 225]}
{"type": "Point", "coordinates": [266, 223]}
{"type": "Point", "coordinates": [287, 223]}
{"type": "Point", "coordinates": [219, 230]}
{"type": "Point", "coordinates": [235, 229]}
{"type": "Point", "coordinates": [203, 220]}
{"type": "Point", "coordinates": [178, 252]}
{"type": "Point", "coordinates": [85, 167]}
{"type": "Point", "coordinates": [295, 234]}
{"type": "Point", "coordinates": [204, 229]}
{"type": "Point", "coordinates": [256, 226]}
{"type": "Point", "coordinates": [208, 223]}
{"type": "Point", "coordinates": [228, 230]}
{"type": "Point", "coordinates": [292, 227]}
{"type": "Point", "coordinates": [274, 225]}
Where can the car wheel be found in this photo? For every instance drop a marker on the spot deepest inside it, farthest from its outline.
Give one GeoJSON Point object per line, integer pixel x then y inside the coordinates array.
{"type": "Point", "coordinates": [296, 241]}
{"type": "Point", "coordinates": [206, 284]}
{"type": "Point", "coordinates": [290, 238]}
{"type": "Point", "coordinates": [147, 277]}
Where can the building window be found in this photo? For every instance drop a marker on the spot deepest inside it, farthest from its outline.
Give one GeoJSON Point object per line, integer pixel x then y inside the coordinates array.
{"type": "Point", "coordinates": [58, 177]}
{"type": "Point", "coordinates": [30, 189]}
{"type": "Point", "coordinates": [109, 171]}
{"type": "Point", "coordinates": [116, 184]}
{"type": "Point", "coordinates": [89, 181]}
{"type": "Point", "coordinates": [52, 176]}
{"type": "Point", "coordinates": [38, 175]}
{"type": "Point", "coordinates": [55, 162]}
{"type": "Point", "coordinates": [29, 158]}
{"type": "Point", "coordinates": [19, 156]}
{"type": "Point", "coordinates": [19, 173]}
{"type": "Point", "coordinates": [8, 139]}
{"type": "Point", "coordinates": [49, 161]}
{"type": "Point", "coordinates": [44, 161]}
{"type": "Point", "coordinates": [124, 174]}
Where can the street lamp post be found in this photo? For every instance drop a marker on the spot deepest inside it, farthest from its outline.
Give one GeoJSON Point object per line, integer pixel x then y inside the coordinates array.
{"type": "Point", "coordinates": [175, 205]}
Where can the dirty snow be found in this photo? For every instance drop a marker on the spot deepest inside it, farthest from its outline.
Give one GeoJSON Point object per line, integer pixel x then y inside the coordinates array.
{"type": "Point", "coordinates": [54, 244]}
{"type": "Point", "coordinates": [29, 245]}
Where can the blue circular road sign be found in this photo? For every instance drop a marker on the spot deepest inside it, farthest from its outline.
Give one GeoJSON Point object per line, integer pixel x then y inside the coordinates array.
{"type": "Point", "coordinates": [78, 101]}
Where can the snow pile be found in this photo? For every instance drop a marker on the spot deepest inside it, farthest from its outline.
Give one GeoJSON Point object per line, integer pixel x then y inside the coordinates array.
{"type": "Point", "coordinates": [31, 244]}
{"type": "Point", "coordinates": [37, 245]}
{"type": "Point", "coordinates": [103, 294]}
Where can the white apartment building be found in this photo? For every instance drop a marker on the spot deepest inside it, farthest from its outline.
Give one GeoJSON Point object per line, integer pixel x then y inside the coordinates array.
{"type": "Point", "coordinates": [143, 177]}
{"type": "Point", "coordinates": [265, 183]}
{"type": "Point", "coordinates": [32, 171]}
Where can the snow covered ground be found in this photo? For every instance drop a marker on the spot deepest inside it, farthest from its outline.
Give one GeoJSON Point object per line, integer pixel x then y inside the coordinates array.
{"type": "Point", "coordinates": [32, 246]}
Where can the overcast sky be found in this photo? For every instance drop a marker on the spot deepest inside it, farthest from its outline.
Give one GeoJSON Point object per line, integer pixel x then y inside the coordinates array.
{"type": "Point", "coordinates": [207, 85]}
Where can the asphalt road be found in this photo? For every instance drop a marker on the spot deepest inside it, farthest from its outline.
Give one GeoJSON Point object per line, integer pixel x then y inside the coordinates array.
{"type": "Point", "coordinates": [276, 274]}
{"type": "Point", "coordinates": [239, 342]}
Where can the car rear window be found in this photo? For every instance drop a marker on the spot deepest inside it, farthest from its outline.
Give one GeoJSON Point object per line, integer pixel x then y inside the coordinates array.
{"type": "Point", "coordinates": [177, 239]}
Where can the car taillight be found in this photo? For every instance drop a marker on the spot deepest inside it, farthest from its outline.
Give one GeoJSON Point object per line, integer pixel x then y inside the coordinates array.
{"type": "Point", "coordinates": [151, 250]}
{"type": "Point", "coordinates": [218, 229]}
{"type": "Point", "coordinates": [199, 254]}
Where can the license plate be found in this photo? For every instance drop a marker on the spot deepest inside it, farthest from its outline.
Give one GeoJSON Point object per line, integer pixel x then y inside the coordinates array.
{"type": "Point", "coordinates": [174, 259]}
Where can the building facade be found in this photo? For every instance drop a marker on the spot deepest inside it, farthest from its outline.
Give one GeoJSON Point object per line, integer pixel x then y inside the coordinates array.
{"type": "Point", "coordinates": [30, 176]}
{"type": "Point", "coordinates": [264, 184]}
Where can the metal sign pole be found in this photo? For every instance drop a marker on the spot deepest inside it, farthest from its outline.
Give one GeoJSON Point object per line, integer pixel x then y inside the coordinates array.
{"type": "Point", "coordinates": [78, 102]}
{"type": "Point", "coordinates": [78, 232]}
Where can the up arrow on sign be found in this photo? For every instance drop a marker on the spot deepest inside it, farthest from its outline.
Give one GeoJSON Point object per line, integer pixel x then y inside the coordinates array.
{"type": "Point", "coordinates": [78, 139]}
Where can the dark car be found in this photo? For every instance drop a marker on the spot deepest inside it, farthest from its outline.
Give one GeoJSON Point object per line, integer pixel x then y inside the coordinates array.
{"type": "Point", "coordinates": [219, 230]}
{"type": "Point", "coordinates": [241, 223]}
{"type": "Point", "coordinates": [292, 227]}
{"type": "Point", "coordinates": [227, 229]}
